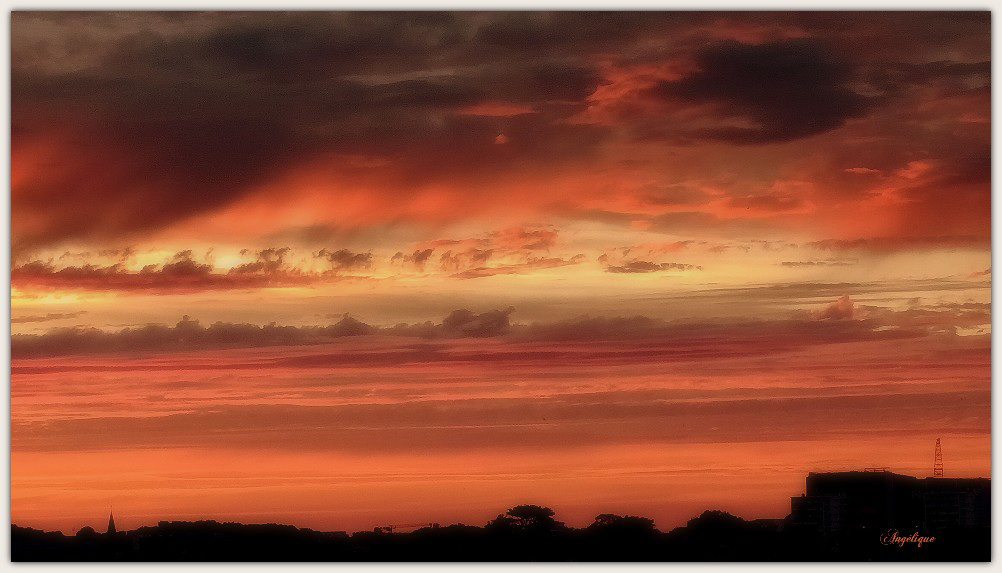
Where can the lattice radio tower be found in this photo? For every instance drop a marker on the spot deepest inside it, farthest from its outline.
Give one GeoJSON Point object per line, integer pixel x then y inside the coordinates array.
{"type": "Point", "coordinates": [937, 465]}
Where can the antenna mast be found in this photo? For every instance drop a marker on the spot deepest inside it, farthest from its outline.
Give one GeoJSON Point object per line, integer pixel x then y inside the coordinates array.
{"type": "Point", "coordinates": [937, 466]}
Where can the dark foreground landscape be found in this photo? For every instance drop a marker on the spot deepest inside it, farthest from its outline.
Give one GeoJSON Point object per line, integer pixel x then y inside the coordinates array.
{"type": "Point", "coordinates": [713, 536]}
{"type": "Point", "coordinates": [523, 533]}
{"type": "Point", "coordinates": [872, 515]}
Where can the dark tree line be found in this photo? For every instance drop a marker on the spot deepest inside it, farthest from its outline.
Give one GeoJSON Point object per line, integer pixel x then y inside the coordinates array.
{"type": "Point", "coordinates": [523, 533]}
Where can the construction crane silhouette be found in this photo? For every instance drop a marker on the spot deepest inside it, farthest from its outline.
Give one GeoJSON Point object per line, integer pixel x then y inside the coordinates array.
{"type": "Point", "coordinates": [392, 528]}
{"type": "Point", "coordinates": [937, 464]}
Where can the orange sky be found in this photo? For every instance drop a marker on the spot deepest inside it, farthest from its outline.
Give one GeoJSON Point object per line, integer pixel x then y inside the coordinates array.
{"type": "Point", "coordinates": [700, 254]}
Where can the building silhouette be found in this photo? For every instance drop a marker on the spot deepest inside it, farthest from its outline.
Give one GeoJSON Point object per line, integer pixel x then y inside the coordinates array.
{"type": "Point", "coordinates": [879, 500]}
{"type": "Point", "coordinates": [957, 503]}
{"type": "Point", "coordinates": [111, 523]}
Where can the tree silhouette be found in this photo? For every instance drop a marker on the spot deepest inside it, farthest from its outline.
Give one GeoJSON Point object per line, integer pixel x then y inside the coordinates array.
{"type": "Point", "coordinates": [522, 533]}
{"type": "Point", "coordinates": [714, 519]}
{"type": "Point", "coordinates": [527, 519]}
{"type": "Point", "coordinates": [610, 522]}
{"type": "Point", "coordinates": [86, 532]}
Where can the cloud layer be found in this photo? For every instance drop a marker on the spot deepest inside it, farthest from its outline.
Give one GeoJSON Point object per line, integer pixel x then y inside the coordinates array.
{"type": "Point", "coordinates": [130, 124]}
{"type": "Point", "coordinates": [836, 322]}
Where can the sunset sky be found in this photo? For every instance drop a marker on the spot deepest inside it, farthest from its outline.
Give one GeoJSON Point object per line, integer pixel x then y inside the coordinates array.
{"type": "Point", "coordinates": [343, 270]}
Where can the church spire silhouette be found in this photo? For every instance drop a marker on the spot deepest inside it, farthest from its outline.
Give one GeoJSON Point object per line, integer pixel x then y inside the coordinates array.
{"type": "Point", "coordinates": [111, 522]}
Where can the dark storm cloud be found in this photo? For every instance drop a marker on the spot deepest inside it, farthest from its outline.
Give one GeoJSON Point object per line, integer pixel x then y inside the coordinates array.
{"type": "Point", "coordinates": [278, 46]}
{"type": "Point", "coordinates": [142, 119]}
{"type": "Point", "coordinates": [536, 32]}
{"type": "Point", "coordinates": [541, 81]}
{"type": "Point", "coordinates": [126, 174]}
{"type": "Point", "coordinates": [165, 122]}
{"type": "Point", "coordinates": [790, 89]}
{"type": "Point", "coordinates": [888, 36]}
{"type": "Point", "coordinates": [895, 78]}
